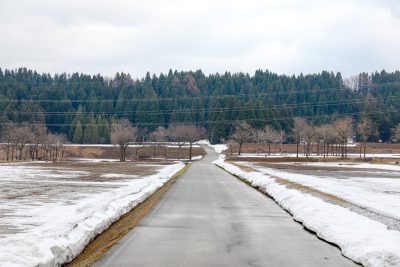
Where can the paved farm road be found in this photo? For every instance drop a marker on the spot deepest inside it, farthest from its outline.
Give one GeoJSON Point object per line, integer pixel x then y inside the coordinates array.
{"type": "Point", "coordinates": [210, 218]}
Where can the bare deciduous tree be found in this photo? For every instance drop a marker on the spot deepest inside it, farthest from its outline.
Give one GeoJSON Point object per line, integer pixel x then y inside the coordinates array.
{"type": "Point", "coordinates": [320, 132]}
{"type": "Point", "coordinates": [59, 141]}
{"type": "Point", "coordinates": [326, 134]}
{"type": "Point", "coordinates": [364, 129]}
{"type": "Point", "coordinates": [48, 146]}
{"type": "Point", "coordinates": [182, 134]}
{"type": "Point", "coordinates": [194, 133]}
{"type": "Point", "coordinates": [7, 139]}
{"type": "Point", "coordinates": [309, 134]}
{"type": "Point", "coordinates": [230, 144]}
{"type": "Point", "coordinates": [177, 134]}
{"type": "Point", "coordinates": [54, 146]}
{"type": "Point", "coordinates": [20, 138]}
{"type": "Point", "coordinates": [265, 137]}
{"type": "Point", "coordinates": [257, 137]}
{"type": "Point", "coordinates": [122, 133]}
{"type": "Point", "coordinates": [344, 129]}
{"type": "Point", "coordinates": [281, 138]}
{"type": "Point", "coordinates": [298, 132]}
{"type": "Point", "coordinates": [396, 133]}
{"type": "Point", "coordinates": [158, 136]}
{"type": "Point", "coordinates": [352, 82]}
{"type": "Point", "coordinates": [242, 134]}
{"type": "Point", "coordinates": [37, 138]}
{"type": "Point", "coordinates": [23, 136]}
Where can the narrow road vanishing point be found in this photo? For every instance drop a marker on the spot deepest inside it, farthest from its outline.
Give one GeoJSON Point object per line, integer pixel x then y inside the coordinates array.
{"type": "Point", "coordinates": [210, 218]}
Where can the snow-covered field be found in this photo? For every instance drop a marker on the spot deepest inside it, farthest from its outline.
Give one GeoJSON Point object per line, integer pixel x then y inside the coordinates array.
{"type": "Point", "coordinates": [293, 155]}
{"type": "Point", "coordinates": [360, 238]}
{"type": "Point", "coordinates": [354, 166]}
{"type": "Point", "coordinates": [375, 187]}
{"type": "Point", "coordinates": [48, 214]}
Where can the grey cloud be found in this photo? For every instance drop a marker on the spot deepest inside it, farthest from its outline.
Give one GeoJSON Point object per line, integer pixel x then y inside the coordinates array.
{"type": "Point", "coordinates": [138, 36]}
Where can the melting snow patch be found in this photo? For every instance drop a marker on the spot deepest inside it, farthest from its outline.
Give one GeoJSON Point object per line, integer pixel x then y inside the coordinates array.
{"type": "Point", "coordinates": [118, 175]}
{"type": "Point", "coordinates": [218, 148]}
{"type": "Point", "coordinates": [51, 233]}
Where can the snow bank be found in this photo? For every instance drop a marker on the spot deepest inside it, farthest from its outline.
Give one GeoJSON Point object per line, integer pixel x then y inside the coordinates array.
{"type": "Point", "coordinates": [93, 160]}
{"type": "Point", "coordinates": [218, 148]}
{"type": "Point", "coordinates": [197, 157]}
{"type": "Point", "coordinates": [54, 232]}
{"type": "Point", "coordinates": [361, 239]}
{"type": "Point", "coordinates": [361, 188]}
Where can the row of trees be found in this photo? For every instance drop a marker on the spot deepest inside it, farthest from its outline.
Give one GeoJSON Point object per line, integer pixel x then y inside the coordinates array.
{"type": "Point", "coordinates": [331, 138]}
{"type": "Point", "coordinates": [35, 141]}
{"type": "Point", "coordinates": [123, 134]}
{"type": "Point", "coordinates": [84, 107]}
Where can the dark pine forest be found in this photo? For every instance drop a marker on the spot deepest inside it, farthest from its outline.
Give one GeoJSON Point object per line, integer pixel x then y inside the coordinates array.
{"type": "Point", "coordinates": [83, 106]}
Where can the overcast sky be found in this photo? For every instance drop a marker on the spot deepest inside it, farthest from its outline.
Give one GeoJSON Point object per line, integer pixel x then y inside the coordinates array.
{"type": "Point", "coordinates": [136, 36]}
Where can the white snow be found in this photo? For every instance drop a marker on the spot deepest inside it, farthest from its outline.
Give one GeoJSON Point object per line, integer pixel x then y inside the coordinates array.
{"type": "Point", "coordinates": [197, 157]}
{"type": "Point", "coordinates": [89, 145]}
{"type": "Point", "coordinates": [118, 175]}
{"type": "Point", "coordinates": [361, 239]}
{"type": "Point", "coordinates": [381, 195]}
{"type": "Point", "coordinates": [219, 148]}
{"type": "Point", "coordinates": [184, 146]}
{"type": "Point", "coordinates": [47, 217]}
{"type": "Point", "coordinates": [93, 160]}
{"type": "Point", "coordinates": [293, 155]}
{"type": "Point", "coordinates": [387, 167]}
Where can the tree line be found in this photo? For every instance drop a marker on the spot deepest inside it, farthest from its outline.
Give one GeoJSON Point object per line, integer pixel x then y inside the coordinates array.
{"type": "Point", "coordinates": [123, 134]}
{"type": "Point", "coordinates": [328, 139]}
{"type": "Point", "coordinates": [84, 107]}
{"type": "Point", "coordinates": [36, 142]}
{"type": "Point", "coordinates": [21, 141]}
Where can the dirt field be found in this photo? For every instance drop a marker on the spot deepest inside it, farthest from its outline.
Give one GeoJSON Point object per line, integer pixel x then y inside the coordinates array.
{"type": "Point", "coordinates": [142, 153]}
{"type": "Point", "coordinates": [111, 152]}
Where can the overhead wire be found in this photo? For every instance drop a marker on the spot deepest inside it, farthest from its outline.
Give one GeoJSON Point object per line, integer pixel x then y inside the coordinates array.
{"type": "Point", "coordinates": [161, 99]}
{"type": "Point", "coordinates": [274, 107]}
{"type": "Point", "coordinates": [220, 121]}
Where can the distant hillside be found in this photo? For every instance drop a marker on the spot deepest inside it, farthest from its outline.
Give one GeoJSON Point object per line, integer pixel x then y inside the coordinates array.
{"type": "Point", "coordinates": [87, 104]}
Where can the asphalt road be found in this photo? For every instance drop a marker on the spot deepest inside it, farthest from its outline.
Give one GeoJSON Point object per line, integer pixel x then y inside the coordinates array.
{"type": "Point", "coordinates": [210, 218]}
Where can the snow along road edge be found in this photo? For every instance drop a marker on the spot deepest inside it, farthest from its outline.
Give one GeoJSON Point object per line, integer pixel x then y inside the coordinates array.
{"type": "Point", "coordinates": [361, 239]}
{"type": "Point", "coordinates": [72, 243]}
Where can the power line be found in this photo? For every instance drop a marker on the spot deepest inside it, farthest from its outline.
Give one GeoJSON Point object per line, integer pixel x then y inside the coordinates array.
{"type": "Point", "coordinates": [160, 99]}
{"type": "Point", "coordinates": [219, 122]}
{"type": "Point", "coordinates": [208, 110]}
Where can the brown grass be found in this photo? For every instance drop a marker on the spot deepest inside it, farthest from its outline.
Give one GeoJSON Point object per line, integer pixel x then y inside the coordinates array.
{"type": "Point", "coordinates": [306, 189]}
{"type": "Point", "coordinates": [144, 153]}
{"type": "Point", "coordinates": [111, 152]}
{"type": "Point", "coordinates": [103, 242]}
{"type": "Point", "coordinates": [244, 168]}
{"type": "Point", "coordinates": [327, 197]}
